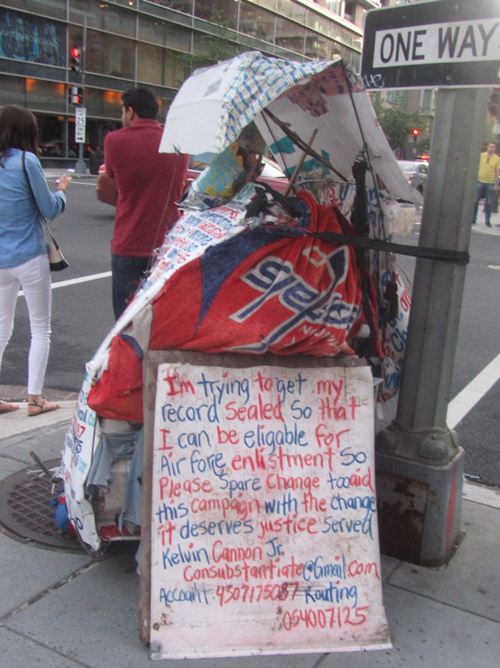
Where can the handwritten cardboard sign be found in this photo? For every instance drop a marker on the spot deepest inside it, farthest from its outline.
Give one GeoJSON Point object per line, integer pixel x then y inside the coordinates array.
{"type": "Point", "coordinates": [264, 521]}
{"type": "Point", "coordinates": [79, 445]}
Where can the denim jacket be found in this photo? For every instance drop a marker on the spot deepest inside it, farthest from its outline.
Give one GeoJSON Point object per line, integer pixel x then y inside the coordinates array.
{"type": "Point", "coordinates": [21, 232]}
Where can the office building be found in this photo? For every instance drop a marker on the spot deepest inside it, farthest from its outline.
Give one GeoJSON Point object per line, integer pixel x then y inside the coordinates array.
{"type": "Point", "coordinates": [125, 43]}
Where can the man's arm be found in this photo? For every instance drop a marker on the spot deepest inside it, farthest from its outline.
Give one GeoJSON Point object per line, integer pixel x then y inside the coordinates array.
{"type": "Point", "coordinates": [108, 156]}
{"type": "Point", "coordinates": [106, 188]}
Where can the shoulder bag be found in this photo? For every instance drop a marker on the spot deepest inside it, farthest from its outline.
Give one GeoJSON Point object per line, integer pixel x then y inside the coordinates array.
{"type": "Point", "coordinates": [57, 261]}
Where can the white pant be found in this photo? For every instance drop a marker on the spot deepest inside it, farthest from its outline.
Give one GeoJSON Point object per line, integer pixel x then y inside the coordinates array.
{"type": "Point", "coordinates": [34, 278]}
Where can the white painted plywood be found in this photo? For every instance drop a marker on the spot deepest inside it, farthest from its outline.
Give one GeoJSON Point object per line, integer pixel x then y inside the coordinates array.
{"type": "Point", "coordinates": [264, 524]}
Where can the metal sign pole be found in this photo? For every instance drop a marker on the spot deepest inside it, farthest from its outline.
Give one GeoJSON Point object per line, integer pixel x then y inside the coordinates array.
{"type": "Point", "coordinates": [419, 461]}
{"type": "Point", "coordinates": [80, 167]}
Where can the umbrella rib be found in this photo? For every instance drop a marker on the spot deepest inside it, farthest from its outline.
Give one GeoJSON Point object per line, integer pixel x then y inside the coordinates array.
{"type": "Point", "coordinates": [276, 142]}
{"type": "Point", "coordinates": [300, 143]}
{"type": "Point", "coordinates": [365, 147]}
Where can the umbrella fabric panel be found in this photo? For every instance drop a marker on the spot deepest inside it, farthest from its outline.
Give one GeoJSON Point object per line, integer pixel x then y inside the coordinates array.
{"type": "Point", "coordinates": [325, 104]}
{"type": "Point", "coordinates": [214, 104]}
{"type": "Point", "coordinates": [194, 115]}
{"type": "Point", "coordinates": [258, 83]}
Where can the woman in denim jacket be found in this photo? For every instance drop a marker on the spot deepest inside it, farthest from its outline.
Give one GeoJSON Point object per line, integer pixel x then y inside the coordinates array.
{"type": "Point", "coordinates": [23, 251]}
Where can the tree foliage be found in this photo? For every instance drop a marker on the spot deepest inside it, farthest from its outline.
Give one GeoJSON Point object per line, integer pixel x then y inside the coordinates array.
{"type": "Point", "coordinates": [398, 125]}
{"type": "Point", "coordinates": [212, 48]}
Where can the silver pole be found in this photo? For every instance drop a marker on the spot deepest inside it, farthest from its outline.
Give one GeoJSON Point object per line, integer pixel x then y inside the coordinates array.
{"type": "Point", "coordinates": [80, 167]}
{"type": "Point", "coordinates": [417, 455]}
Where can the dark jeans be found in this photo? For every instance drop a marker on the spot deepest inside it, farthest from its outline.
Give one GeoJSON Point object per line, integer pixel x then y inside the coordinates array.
{"type": "Point", "coordinates": [484, 190]}
{"type": "Point", "coordinates": [127, 274]}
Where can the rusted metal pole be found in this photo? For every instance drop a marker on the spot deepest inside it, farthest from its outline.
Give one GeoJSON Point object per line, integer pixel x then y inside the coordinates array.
{"type": "Point", "coordinates": [419, 461]}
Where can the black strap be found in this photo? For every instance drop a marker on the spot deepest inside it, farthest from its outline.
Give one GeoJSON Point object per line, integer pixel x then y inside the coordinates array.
{"type": "Point", "coordinates": [29, 184]}
{"type": "Point", "coordinates": [43, 223]}
{"type": "Point", "coordinates": [458, 257]}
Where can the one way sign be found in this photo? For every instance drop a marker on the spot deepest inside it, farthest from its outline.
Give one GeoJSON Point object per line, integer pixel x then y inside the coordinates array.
{"type": "Point", "coordinates": [440, 43]}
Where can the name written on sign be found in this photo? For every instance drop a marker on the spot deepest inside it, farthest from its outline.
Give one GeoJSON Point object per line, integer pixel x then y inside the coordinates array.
{"type": "Point", "coordinates": [458, 42]}
{"type": "Point", "coordinates": [259, 457]}
{"type": "Point", "coordinates": [264, 510]}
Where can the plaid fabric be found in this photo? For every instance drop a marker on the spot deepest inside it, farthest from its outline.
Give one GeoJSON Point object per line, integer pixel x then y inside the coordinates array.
{"type": "Point", "coordinates": [261, 80]}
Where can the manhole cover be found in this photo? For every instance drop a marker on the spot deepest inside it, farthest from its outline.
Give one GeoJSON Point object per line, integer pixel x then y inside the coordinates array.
{"type": "Point", "coordinates": [26, 512]}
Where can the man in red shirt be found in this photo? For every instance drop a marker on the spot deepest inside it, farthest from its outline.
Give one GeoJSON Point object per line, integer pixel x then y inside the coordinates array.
{"type": "Point", "coordinates": [149, 185]}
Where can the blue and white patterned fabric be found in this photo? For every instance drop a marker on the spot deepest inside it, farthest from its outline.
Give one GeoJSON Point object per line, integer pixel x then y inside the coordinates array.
{"type": "Point", "coordinates": [260, 81]}
{"type": "Point", "coordinates": [322, 97]}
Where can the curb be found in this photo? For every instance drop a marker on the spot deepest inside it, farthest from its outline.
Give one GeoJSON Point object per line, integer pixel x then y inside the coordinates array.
{"type": "Point", "coordinates": [19, 422]}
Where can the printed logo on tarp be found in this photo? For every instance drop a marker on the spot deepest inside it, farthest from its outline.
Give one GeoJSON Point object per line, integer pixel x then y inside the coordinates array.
{"type": "Point", "coordinates": [276, 278]}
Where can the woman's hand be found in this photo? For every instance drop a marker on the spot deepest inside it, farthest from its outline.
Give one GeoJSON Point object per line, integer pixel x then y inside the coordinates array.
{"type": "Point", "coordinates": [64, 182]}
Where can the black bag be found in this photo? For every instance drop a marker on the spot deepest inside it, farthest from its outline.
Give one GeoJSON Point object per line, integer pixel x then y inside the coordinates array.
{"type": "Point", "coordinates": [57, 261]}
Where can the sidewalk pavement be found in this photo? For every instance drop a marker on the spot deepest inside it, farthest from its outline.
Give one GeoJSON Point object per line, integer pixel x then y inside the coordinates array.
{"type": "Point", "coordinates": [480, 224]}
{"type": "Point", "coordinates": [62, 610]}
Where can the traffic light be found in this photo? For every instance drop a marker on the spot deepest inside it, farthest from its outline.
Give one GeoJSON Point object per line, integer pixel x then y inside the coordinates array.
{"type": "Point", "coordinates": [494, 104]}
{"type": "Point", "coordinates": [75, 61]}
{"type": "Point", "coordinates": [416, 132]}
{"type": "Point", "coordinates": [75, 95]}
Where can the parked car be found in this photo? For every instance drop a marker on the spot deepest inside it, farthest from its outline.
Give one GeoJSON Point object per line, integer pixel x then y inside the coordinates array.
{"type": "Point", "coordinates": [271, 174]}
{"type": "Point", "coordinates": [415, 173]}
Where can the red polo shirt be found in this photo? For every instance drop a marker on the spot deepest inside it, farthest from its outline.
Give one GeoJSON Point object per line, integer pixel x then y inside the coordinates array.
{"type": "Point", "coordinates": [145, 179]}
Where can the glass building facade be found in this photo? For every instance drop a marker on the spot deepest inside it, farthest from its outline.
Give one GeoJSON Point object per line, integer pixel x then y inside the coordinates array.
{"type": "Point", "coordinates": [156, 43]}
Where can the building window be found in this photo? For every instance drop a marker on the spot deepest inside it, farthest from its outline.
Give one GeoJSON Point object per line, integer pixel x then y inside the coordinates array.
{"type": "Point", "coordinates": [164, 33]}
{"type": "Point", "coordinates": [184, 6]}
{"type": "Point", "coordinates": [268, 4]}
{"type": "Point", "coordinates": [111, 104]}
{"type": "Point", "coordinates": [335, 6]}
{"type": "Point", "coordinates": [318, 23]}
{"type": "Point", "coordinates": [37, 40]}
{"type": "Point", "coordinates": [150, 65]}
{"type": "Point", "coordinates": [103, 16]}
{"type": "Point", "coordinates": [289, 35]}
{"type": "Point", "coordinates": [317, 47]}
{"type": "Point", "coordinates": [346, 36]}
{"type": "Point", "coordinates": [355, 61]}
{"type": "Point", "coordinates": [53, 8]}
{"type": "Point", "coordinates": [117, 21]}
{"type": "Point", "coordinates": [13, 90]}
{"type": "Point", "coordinates": [427, 99]}
{"type": "Point", "coordinates": [107, 54]}
{"type": "Point", "coordinates": [256, 22]}
{"type": "Point", "coordinates": [292, 10]}
{"type": "Point", "coordinates": [208, 49]}
{"type": "Point", "coordinates": [399, 97]}
{"type": "Point", "coordinates": [45, 95]}
{"type": "Point", "coordinates": [221, 12]}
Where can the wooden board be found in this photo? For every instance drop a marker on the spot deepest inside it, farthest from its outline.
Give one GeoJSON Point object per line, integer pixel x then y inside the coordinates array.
{"type": "Point", "coordinates": [263, 525]}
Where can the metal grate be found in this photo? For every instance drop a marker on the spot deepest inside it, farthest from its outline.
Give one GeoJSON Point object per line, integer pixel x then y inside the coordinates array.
{"type": "Point", "coordinates": [25, 509]}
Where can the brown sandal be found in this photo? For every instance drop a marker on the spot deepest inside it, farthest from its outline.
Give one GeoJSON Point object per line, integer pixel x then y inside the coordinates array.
{"type": "Point", "coordinates": [7, 408]}
{"type": "Point", "coordinates": [44, 407]}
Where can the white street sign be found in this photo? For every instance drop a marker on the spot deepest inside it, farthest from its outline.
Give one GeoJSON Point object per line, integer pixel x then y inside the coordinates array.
{"type": "Point", "coordinates": [429, 44]}
{"type": "Point", "coordinates": [80, 116]}
{"type": "Point", "coordinates": [80, 125]}
{"type": "Point", "coordinates": [80, 134]}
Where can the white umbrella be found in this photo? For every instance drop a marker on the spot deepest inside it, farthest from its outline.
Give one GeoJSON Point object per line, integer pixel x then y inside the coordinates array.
{"type": "Point", "coordinates": [215, 103]}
